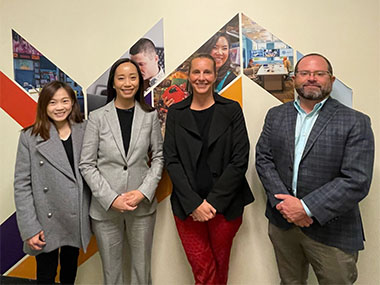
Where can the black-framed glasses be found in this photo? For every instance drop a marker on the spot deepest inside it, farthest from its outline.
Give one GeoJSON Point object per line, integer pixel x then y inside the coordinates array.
{"type": "Point", "coordinates": [317, 73]}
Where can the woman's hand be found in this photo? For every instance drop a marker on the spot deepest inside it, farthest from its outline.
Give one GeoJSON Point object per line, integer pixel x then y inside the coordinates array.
{"type": "Point", "coordinates": [134, 197]}
{"type": "Point", "coordinates": [120, 204]}
{"type": "Point", "coordinates": [204, 212]}
{"type": "Point", "coordinates": [37, 242]}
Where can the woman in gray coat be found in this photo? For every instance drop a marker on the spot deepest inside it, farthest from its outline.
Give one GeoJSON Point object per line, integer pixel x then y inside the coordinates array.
{"type": "Point", "coordinates": [122, 162]}
{"type": "Point", "coordinates": [51, 201]}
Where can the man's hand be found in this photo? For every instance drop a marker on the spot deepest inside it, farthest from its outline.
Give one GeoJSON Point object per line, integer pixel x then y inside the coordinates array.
{"type": "Point", "coordinates": [204, 212]}
{"type": "Point", "coordinates": [292, 210]}
{"type": "Point", "coordinates": [37, 242]}
{"type": "Point", "coordinates": [120, 204]}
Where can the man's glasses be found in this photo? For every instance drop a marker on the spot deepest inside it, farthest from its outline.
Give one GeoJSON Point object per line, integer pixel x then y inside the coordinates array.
{"type": "Point", "coordinates": [317, 73]}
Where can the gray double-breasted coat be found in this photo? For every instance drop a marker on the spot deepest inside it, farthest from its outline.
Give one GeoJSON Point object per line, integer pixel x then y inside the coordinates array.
{"type": "Point", "coordinates": [48, 195]}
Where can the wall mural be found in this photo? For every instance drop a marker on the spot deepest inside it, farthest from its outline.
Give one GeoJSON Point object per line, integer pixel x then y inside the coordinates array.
{"type": "Point", "coordinates": [261, 56]}
{"type": "Point", "coordinates": [33, 70]}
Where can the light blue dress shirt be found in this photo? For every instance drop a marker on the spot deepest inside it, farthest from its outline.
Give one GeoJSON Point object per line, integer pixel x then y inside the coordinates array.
{"type": "Point", "coordinates": [304, 125]}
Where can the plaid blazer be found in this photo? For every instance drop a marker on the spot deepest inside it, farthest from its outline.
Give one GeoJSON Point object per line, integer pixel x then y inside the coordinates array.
{"type": "Point", "coordinates": [334, 175]}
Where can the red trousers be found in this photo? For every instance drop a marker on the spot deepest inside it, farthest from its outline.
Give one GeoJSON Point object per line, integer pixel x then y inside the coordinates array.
{"type": "Point", "coordinates": [208, 246]}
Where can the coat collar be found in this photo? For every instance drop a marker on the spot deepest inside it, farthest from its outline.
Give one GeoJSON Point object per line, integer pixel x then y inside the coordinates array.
{"type": "Point", "coordinates": [187, 102]}
{"type": "Point", "coordinates": [113, 122]}
{"type": "Point", "coordinates": [54, 151]}
{"type": "Point", "coordinates": [325, 114]}
{"type": "Point", "coordinates": [221, 119]}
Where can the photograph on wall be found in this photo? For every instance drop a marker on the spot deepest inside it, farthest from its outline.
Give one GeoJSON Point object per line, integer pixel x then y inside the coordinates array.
{"type": "Point", "coordinates": [267, 60]}
{"type": "Point", "coordinates": [148, 53]}
{"type": "Point", "coordinates": [32, 70]}
{"type": "Point", "coordinates": [224, 47]}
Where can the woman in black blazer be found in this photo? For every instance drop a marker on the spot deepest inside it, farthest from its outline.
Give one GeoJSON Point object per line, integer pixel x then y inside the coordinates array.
{"type": "Point", "coordinates": [206, 151]}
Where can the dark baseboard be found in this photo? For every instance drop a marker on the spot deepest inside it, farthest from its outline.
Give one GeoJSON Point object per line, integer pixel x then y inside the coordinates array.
{"type": "Point", "coordinates": [14, 280]}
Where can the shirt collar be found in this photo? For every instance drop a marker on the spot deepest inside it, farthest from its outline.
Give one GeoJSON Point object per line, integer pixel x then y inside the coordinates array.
{"type": "Point", "coordinates": [157, 77]}
{"type": "Point", "coordinates": [316, 108]}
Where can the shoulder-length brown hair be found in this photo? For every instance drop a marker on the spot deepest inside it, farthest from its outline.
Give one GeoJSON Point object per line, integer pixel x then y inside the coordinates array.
{"type": "Point", "coordinates": [42, 123]}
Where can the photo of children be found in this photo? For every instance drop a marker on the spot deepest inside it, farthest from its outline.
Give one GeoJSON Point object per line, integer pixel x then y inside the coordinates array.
{"type": "Point", "coordinates": [32, 70]}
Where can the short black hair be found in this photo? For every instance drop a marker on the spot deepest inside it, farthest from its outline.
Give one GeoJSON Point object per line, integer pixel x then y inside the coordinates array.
{"type": "Point", "coordinates": [329, 66]}
{"type": "Point", "coordinates": [143, 45]}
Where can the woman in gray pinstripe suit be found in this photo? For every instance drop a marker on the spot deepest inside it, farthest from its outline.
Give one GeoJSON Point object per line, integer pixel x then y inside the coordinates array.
{"type": "Point", "coordinates": [121, 139]}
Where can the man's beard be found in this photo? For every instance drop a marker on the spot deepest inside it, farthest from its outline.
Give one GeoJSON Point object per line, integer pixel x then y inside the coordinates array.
{"type": "Point", "coordinates": [315, 94]}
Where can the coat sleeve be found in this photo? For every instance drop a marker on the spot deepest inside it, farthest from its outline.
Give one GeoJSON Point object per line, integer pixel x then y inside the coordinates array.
{"type": "Point", "coordinates": [346, 190]}
{"type": "Point", "coordinates": [265, 164]}
{"type": "Point", "coordinates": [188, 198]}
{"type": "Point", "coordinates": [99, 186]}
{"type": "Point", "coordinates": [27, 220]}
{"type": "Point", "coordinates": [230, 181]}
{"type": "Point", "coordinates": [149, 185]}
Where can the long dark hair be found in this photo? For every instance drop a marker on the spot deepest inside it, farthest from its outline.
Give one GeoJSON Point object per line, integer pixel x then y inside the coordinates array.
{"type": "Point", "coordinates": [42, 123]}
{"type": "Point", "coordinates": [139, 96]}
{"type": "Point", "coordinates": [207, 48]}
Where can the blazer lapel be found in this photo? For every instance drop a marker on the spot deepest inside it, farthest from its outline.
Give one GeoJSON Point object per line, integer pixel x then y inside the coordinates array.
{"type": "Point", "coordinates": [114, 124]}
{"type": "Point", "coordinates": [220, 121]}
{"type": "Point", "coordinates": [138, 118]}
{"type": "Point", "coordinates": [290, 127]}
{"type": "Point", "coordinates": [325, 115]}
{"type": "Point", "coordinates": [77, 139]}
{"type": "Point", "coordinates": [188, 123]}
{"type": "Point", "coordinates": [55, 153]}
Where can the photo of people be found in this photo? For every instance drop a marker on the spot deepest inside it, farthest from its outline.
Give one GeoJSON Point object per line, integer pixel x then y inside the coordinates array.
{"type": "Point", "coordinates": [33, 70]}
{"type": "Point", "coordinates": [148, 53]}
{"type": "Point", "coordinates": [267, 60]}
{"type": "Point", "coordinates": [224, 47]}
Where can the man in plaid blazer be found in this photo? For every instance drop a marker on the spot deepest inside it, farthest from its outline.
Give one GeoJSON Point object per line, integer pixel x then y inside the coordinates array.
{"type": "Point", "coordinates": [315, 160]}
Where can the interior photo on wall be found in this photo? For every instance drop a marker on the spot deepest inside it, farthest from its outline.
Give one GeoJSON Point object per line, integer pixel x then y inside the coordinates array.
{"type": "Point", "coordinates": [33, 70]}
{"type": "Point", "coordinates": [148, 53]}
{"type": "Point", "coordinates": [268, 61]}
{"type": "Point", "coordinates": [224, 47]}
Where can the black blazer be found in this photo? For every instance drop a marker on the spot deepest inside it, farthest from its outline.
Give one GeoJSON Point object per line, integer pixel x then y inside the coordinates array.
{"type": "Point", "coordinates": [228, 149]}
{"type": "Point", "coordinates": [334, 174]}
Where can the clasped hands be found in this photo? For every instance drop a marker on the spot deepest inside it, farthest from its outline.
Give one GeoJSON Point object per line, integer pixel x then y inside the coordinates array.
{"type": "Point", "coordinates": [204, 212]}
{"type": "Point", "coordinates": [127, 201]}
{"type": "Point", "coordinates": [37, 242]}
{"type": "Point", "coordinates": [292, 210]}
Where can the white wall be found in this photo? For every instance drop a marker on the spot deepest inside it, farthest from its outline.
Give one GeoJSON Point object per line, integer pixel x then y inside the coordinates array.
{"type": "Point", "coordinates": [84, 37]}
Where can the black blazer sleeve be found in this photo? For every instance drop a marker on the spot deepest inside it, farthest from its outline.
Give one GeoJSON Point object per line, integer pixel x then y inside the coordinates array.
{"type": "Point", "coordinates": [188, 198]}
{"type": "Point", "coordinates": [231, 180]}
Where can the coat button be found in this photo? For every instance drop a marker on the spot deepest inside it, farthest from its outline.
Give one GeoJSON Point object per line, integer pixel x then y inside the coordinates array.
{"type": "Point", "coordinates": [125, 167]}
{"type": "Point", "coordinates": [49, 215]}
{"type": "Point", "coordinates": [41, 162]}
{"type": "Point", "coordinates": [46, 189]}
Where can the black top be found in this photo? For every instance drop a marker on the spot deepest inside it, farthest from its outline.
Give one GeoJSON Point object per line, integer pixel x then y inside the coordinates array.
{"type": "Point", "coordinates": [125, 120]}
{"type": "Point", "coordinates": [203, 175]}
{"type": "Point", "coordinates": [68, 145]}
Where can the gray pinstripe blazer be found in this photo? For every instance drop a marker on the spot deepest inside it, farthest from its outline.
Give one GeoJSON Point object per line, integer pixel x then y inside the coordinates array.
{"type": "Point", "coordinates": [334, 175]}
{"type": "Point", "coordinates": [109, 172]}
